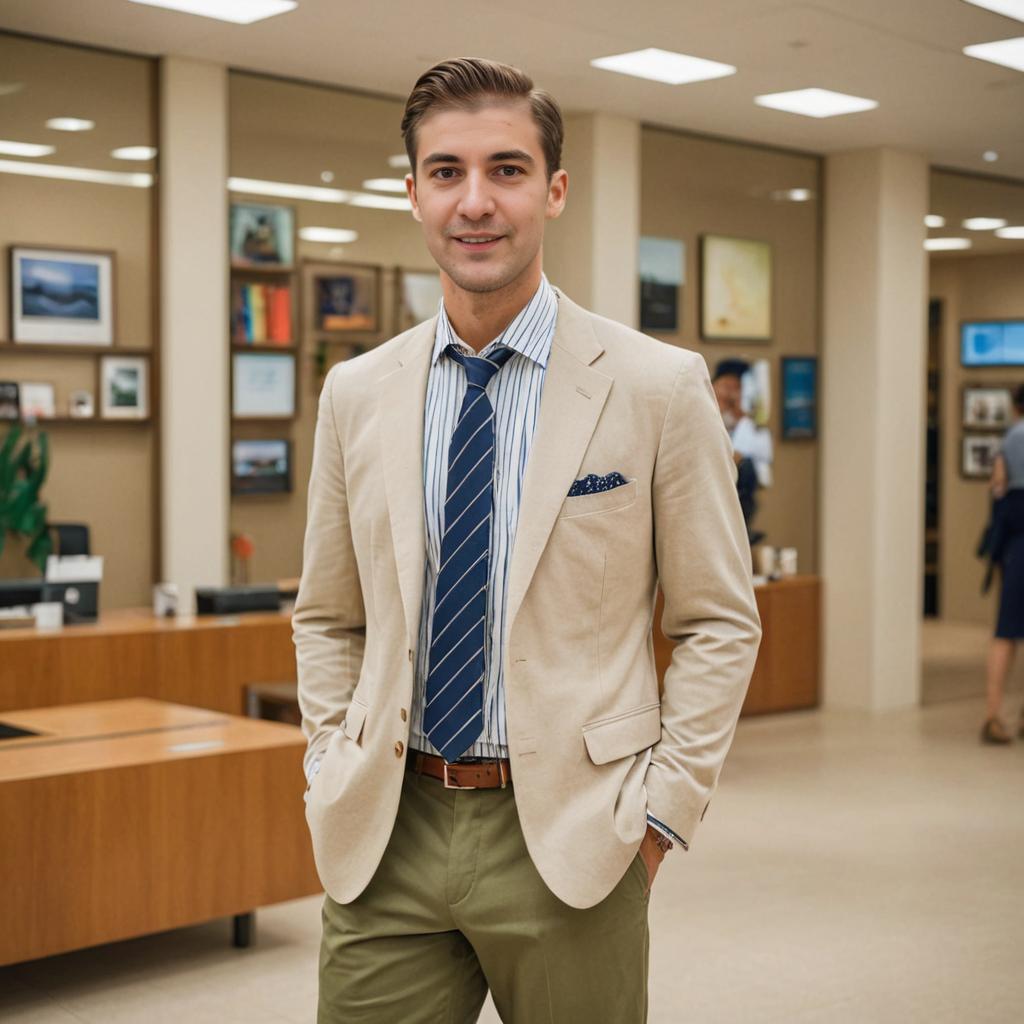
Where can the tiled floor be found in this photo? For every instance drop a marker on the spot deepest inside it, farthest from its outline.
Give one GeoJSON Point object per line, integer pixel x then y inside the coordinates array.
{"type": "Point", "coordinates": [853, 868]}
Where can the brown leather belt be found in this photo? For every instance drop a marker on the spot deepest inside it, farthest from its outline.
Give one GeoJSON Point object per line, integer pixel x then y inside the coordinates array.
{"type": "Point", "coordinates": [466, 775]}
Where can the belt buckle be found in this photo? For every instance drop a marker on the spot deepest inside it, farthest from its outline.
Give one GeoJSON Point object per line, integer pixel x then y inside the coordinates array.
{"type": "Point", "coordinates": [451, 785]}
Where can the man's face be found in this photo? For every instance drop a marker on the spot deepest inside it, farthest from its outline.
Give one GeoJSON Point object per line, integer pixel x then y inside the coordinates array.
{"type": "Point", "coordinates": [482, 193]}
{"type": "Point", "coordinates": [729, 392]}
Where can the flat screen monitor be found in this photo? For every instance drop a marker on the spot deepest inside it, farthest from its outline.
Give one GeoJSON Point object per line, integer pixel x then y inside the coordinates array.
{"type": "Point", "coordinates": [15, 593]}
{"type": "Point", "coordinates": [992, 343]}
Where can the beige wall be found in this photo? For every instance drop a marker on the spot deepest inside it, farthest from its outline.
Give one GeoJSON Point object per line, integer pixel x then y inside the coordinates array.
{"type": "Point", "coordinates": [102, 475]}
{"type": "Point", "coordinates": [982, 287]}
{"type": "Point", "coordinates": [694, 186]}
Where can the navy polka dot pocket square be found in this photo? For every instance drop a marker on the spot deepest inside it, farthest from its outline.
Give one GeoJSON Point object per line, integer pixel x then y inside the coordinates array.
{"type": "Point", "coordinates": [592, 484]}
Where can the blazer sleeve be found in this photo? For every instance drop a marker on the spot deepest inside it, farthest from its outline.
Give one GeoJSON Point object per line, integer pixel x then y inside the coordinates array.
{"type": "Point", "coordinates": [329, 620]}
{"type": "Point", "coordinates": [710, 614]}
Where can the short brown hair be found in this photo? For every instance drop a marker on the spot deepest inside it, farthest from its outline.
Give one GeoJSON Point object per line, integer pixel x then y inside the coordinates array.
{"type": "Point", "coordinates": [467, 83]}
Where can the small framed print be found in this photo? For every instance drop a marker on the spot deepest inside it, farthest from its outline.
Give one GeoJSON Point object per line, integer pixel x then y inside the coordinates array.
{"type": "Point", "coordinates": [799, 398]}
{"type": "Point", "coordinates": [262, 236]}
{"type": "Point", "coordinates": [346, 298]}
{"type": "Point", "coordinates": [735, 289]}
{"type": "Point", "coordinates": [124, 388]}
{"type": "Point", "coordinates": [978, 455]}
{"type": "Point", "coordinates": [987, 408]}
{"type": "Point", "coordinates": [10, 400]}
{"type": "Point", "coordinates": [37, 402]}
{"type": "Point", "coordinates": [261, 466]}
{"type": "Point", "coordinates": [262, 385]}
{"type": "Point", "coordinates": [61, 296]}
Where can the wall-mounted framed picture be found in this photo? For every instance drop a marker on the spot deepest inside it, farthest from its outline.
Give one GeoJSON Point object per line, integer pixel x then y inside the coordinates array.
{"type": "Point", "coordinates": [10, 400]}
{"type": "Point", "coordinates": [124, 387]}
{"type": "Point", "coordinates": [987, 408]}
{"type": "Point", "coordinates": [262, 385]}
{"type": "Point", "coordinates": [262, 235]}
{"type": "Point", "coordinates": [799, 398]}
{"type": "Point", "coordinates": [345, 298]}
{"type": "Point", "coordinates": [261, 466]}
{"type": "Point", "coordinates": [38, 401]}
{"type": "Point", "coordinates": [61, 296]}
{"type": "Point", "coordinates": [735, 289]}
{"type": "Point", "coordinates": [662, 266]}
{"type": "Point", "coordinates": [417, 297]}
{"type": "Point", "coordinates": [978, 455]}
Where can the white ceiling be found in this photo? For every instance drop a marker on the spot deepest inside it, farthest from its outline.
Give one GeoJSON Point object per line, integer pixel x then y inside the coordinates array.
{"type": "Point", "coordinates": [906, 54]}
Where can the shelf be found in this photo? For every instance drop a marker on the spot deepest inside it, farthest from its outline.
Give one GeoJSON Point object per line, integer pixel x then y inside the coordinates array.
{"type": "Point", "coordinates": [274, 271]}
{"type": "Point", "coordinates": [43, 349]}
{"type": "Point", "coordinates": [241, 346]}
{"type": "Point", "coordinates": [89, 421]}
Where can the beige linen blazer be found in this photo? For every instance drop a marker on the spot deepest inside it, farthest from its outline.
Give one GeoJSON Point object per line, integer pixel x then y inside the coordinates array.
{"type": "Point", "coordinates": [592, 745]}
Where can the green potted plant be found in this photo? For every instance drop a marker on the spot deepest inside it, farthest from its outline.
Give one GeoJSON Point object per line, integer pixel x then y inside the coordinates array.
{"type": "Point", "coordinates": [22, 473]}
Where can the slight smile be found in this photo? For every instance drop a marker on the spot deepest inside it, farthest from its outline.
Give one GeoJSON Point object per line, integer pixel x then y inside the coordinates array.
{"type": "Point", "coordinates": [478, 243]}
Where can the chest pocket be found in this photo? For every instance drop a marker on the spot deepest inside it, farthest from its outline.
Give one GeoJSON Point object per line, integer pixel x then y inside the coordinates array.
{"type": "Point", "coordinates": [600, 501]}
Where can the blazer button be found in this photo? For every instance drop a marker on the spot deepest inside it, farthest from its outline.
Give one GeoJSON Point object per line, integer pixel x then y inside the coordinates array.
{"type": "Point", "coordinates": [410, 654]}
{"type": "Point", "coordinates": [404, 714]}
{"type": "Point", "coordinates": [399, 749]}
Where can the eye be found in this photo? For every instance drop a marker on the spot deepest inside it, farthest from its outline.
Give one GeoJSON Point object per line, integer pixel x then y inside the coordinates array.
{"type": "Point", "coordinates": [504, 170]}
{"type": "Point", "coordinates": [444, 173]}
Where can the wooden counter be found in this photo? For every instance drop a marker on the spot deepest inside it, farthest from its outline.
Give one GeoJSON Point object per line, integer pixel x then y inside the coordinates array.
{"type": "Point", "coordinates": [786, 676]}
{"type": "Point", "coordinates": [128, 817]}
{"type": "Point", "coordinates": [204, 662]}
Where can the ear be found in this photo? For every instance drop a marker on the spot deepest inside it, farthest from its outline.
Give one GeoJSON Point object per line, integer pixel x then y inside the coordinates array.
{"type": "Point", "coordinates": [410, 188]}
{"type": "Point", "coordinates": [558, 189]}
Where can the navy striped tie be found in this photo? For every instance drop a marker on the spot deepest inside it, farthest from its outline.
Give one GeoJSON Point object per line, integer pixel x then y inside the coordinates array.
{"type": "Point", "coordinates": [453, 717]}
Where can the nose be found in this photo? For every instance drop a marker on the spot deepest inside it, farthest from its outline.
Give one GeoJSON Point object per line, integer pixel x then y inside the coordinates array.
{"type": "Point", "coordinates": [476, 201]}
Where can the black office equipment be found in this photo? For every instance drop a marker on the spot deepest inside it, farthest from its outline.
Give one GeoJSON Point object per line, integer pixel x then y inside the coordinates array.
{"type": "Point", "coordinates": [15, 593]}
{"type": "Point", "coordinates": [229, 600]}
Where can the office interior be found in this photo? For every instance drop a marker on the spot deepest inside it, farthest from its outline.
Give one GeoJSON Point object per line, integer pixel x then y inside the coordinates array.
{"type": "Point", "coordinates": [861, 859]}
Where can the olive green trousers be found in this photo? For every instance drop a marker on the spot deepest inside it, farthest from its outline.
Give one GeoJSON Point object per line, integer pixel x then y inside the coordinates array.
{"type": "Point", "coordinates": [456, 908]}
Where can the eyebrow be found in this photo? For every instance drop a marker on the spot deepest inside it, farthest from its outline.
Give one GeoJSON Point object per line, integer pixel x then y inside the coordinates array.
{"type": "Point", "coordinates": [519, 155]}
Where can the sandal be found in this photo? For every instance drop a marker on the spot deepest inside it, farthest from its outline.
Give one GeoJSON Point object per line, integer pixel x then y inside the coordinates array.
{"type": "Point", "coordinates": [994, 732]}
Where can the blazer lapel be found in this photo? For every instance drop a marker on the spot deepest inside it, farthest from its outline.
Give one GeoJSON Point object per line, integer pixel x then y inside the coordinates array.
{"type": "Point", "coordinates": [401, 397]}
{"type": "Point", "coordinates": [573, 396]}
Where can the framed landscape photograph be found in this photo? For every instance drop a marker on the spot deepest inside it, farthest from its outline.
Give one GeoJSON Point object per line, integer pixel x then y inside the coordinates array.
{"type": "Point", "coordinates": [124, 388]}
{"type": "Point", "coordinates": [262, 385]}
{"type": "Point", "coordinates": [346, 299]}
{"type": "Point", "coordinates": [61, 296]}
{"type": "Point", "coordinates": [799, 398]}
{"type": "Point", "coordinates": [261, 467]}
{"type": "Point", "coordinates": [987, 408]}
{"type": "Point", "coordinates": [262, 235]}
{"type": "Point", "coordinates": [662, 263]}
{"type": "Point", "coordinates": [735, 289]}
{"type": "Point", "coordinates": [979, 455]}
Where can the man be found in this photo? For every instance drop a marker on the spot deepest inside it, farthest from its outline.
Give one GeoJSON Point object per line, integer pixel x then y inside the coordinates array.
{"type": "Point", "coordinates": [494, 497]}
{"type": "Point", "coordinates": [749, 441]}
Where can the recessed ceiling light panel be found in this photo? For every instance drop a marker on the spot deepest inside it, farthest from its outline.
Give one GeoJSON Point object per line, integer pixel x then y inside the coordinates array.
{"type": "Point", "coordinates": [933, 220]}
{"type": "Point", "coordinates": [1011, 8]}
{"type": "Point", "coordinates": [1016, 231]}
{"type": "Point", "coordinates": [70, 124]}
{"type": "Point", "coordinates": [385, 185]}
{"type": "Point", "coordinates": [664, 66]}
{"type": "Point", "coordinates": [240, 12]}
{"type": "Point", "coordinates": [941, 244]}
{"type": "Point", "coordinates": [984, 223]}
{"type": "Point", "coordinates": [287, 190]}
{"type": "Point", "coordinates": [134, 153]}
{"type": "Point", "coordinates": [1007, 52]}
{"type": "Point", "coordinates": [332, 235]}
{"type": "Point", "coordinates": [792, 195]}
{"type": "Point", "coordinates": [399, 160]}
{"type": "Point", "coordinates": [380, 202]}
{"type": "Point", "coordinates": [815, 102]}
{"type": "Point", "coordinates": [132, 179]}
{"type": "Point", "coordinates": [11, 148]}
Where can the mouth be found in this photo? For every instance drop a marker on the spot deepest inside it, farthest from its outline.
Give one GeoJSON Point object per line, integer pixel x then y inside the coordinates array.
{"type": "Point", "coordinates": [477, 243]}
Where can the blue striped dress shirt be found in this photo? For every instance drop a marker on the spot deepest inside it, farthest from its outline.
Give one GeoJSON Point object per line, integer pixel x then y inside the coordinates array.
{"type": "Point", "coordinates": [514, 392]}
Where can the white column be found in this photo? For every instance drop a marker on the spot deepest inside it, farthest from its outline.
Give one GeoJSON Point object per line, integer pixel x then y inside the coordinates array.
{"type": "Point", "coordinates": [194, 399]}
{"type": "Point", "coordinates": [874, 355]}
{"type": "Point", "coordinates": [591, 251]}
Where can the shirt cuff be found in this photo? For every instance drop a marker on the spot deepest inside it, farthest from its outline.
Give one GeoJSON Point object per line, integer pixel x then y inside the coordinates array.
{"type": "Point", "coordinates": [314, 768]}
{"type": "Point", "coordinates": [666, 831]}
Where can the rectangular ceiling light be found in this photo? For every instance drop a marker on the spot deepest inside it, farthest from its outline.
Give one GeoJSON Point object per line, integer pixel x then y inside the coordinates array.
{"type": "Point", "coordinates": [1007, 52]}
{"type": "Point", "coordinates": [241, 12]}
{"type": "Point", "coordinates": [664, 66]}
{"type": "Point", "coordinates": [1011, 8]}
{"type": "Point", "coordinates": [286, 190]}
{"type": "Point", "coordinates": [942, 244]}
{"type": "Point", "coordinates": [984, 223]}
{"type": "Point", "coordinates": [1016, 231]}
{"type": "Point", "coordinates": [9, 148]}
{"type": "Point", "coordinates": [335, 236]}
{"type": "Point", "coordinates": [380, 202]}
{"type": "Point", "coordinates": [815, 102]}
{"type": "Point", "coordinates": [134, 179]}
{"type": "Point", "coordinates": [933, 220]}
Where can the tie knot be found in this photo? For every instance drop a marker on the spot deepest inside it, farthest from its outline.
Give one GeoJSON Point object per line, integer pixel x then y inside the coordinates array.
{"type": "Point", "coordinates": [480, 369]}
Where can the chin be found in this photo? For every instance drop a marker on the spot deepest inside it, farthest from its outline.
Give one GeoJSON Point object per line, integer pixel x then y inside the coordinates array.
{"type": "Point", "coordinates": [481, 279]}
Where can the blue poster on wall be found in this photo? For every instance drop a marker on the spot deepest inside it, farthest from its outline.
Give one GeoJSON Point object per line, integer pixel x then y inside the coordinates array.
{"type": "Point", "coordinates": [799, 398]}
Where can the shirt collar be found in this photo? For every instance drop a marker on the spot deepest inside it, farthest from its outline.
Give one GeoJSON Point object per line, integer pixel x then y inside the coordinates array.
{"type": "Point", "coordinates": [531, 332]}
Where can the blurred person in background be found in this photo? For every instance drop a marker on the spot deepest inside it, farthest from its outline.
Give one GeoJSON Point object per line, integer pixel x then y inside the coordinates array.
{"type": "Point", "coordinates": [1006, 549]}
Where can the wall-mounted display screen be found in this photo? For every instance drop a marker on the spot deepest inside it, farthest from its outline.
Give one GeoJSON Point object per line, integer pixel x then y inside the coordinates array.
{"type": "Point", "coordinates": [992, 343]}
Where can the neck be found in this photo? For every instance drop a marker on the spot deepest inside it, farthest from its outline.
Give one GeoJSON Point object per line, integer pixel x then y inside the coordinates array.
{"type": "Point", "coordinates": [479, 317]}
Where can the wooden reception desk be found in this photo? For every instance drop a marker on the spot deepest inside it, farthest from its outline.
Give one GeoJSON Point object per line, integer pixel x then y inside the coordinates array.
{"type": "Point", "coordinates": [204, 662]}
{"type": "Point", "coordinates": [127, 817]}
